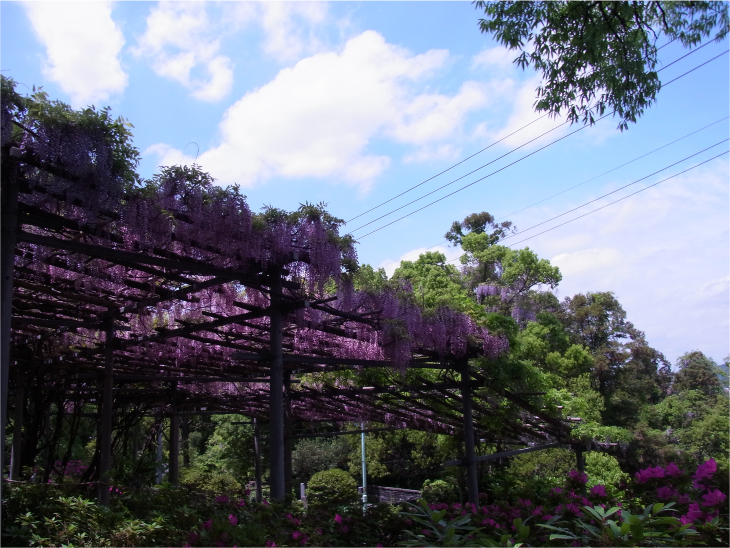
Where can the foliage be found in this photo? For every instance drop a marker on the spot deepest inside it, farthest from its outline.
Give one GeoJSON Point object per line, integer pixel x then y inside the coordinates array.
{"type": "Point", "coordinates": [439, 491]}
{"type": "Point", "coordinates": [697, 372]}
{"type": "Point", "coordinates": [316, 455]}
{"type": "Point", "coordinates": [598, 56]}
{"type": "Point", "coordinates": [333, 487]}
{"type": "Point", "coordinates": [479, 223]}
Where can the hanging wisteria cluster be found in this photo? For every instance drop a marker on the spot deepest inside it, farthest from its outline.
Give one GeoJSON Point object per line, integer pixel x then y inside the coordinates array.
{"type": "Point", "coordinates": [76, 180]}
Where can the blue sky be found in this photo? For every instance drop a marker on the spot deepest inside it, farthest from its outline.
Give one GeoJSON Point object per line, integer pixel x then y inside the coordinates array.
{"type": "Point", "coordinates": [353, 103]}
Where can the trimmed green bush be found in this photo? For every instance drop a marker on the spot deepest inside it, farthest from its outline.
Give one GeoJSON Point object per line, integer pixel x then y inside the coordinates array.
{"type": "Point", "coordinates": [331, 488]}
{"type": "Point", "coordinates": [439, 491]}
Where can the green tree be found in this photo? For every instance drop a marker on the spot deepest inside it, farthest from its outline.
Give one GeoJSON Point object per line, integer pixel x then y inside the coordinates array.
{"type": "Point", "coordinates": [697, 372]}
{"type": "Point", "coordinates": [435, 282]}
{"type": "Point", "coordinates": [598, 56]}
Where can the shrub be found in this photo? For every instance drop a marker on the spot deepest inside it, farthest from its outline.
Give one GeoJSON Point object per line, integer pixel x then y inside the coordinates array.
{"type": "Point", "coordinates": [331, 488]}
{"type": "Point", "coordinates": [439, 491]}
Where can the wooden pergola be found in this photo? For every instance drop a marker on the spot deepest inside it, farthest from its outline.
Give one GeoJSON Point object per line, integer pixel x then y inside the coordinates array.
{"type": "Point", "coordinates": [74, 297]}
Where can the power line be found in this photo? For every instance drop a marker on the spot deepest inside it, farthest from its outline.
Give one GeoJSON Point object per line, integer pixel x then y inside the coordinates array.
{"type": "Point", "coordinates": [494, 143]}
{"type": "Point", "coordinates": [620, 188]}
{"type": "Point", "coordinates": [614, 169]}
{"type": "Point", "coordinates": [448, 169]}
{"type": "Point", "coordinates": [592, 178]}
{"type": "Point", "coordinates": [463, 176]}
{"type": "Point", "coordinates": [505, 167]}
{"type": "Point", "coordinates": [620, 199]}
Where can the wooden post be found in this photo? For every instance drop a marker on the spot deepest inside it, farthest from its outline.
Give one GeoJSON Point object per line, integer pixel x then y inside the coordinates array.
{"type": "Point", "coordinates": [185, 438]}
{"type": "Point", "coordinates": [8, 235]}
{"type": "Point", "coordinates": [16, 450]}
{"type": "Point", "coordinates": [107, 416]}
{"type": "Point", "coordinates": [159, 453]}
{"type": "Point", "coordinates": [472, 483]}
{"type": "Point", "coordinates": [135, 443]}
{"type": "Point", "coordinates": [276, 399]}
{"type": "Point", "coordinates": [257, 460]}
{"type": "Point", "coordinates": [288, 485]}
{"type": "Point", "coordinates": [174, 438]}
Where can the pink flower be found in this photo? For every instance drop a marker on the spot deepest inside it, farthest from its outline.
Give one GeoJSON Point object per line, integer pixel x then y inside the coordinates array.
{"type": "Point", "coordinates": [525, 503]}
{"type": "Point", "coordinates": [578, 476]}
{"type": "Point", "coordinates": [598, 490]}
{"type": "Point", "coordinates": [694, 512]}
{"type": "Point", "coordinates": [233, 519]}
{"type": "Point", "coordinates": [712, 498]}
{"type": "Point", "coordinates": [338, 518]}
{"type": "Point", "coordinates": [684, 498]}
{"type": "Point", "coordinates": [266, 503]}
{"type": "Point", "coordinates": [547, 517]}
{"type": "Point", "coordinates": [241, 502]}
{"type": "Point", "coordinates": [247, 492]}
{"type": "Point", "coordinates": [270, 543]}
{"type": "Point", "coordinates": [705, 470]}
{"type": "Point", "coordinates": [556, 491]}
{"type": "Point", "coordinates": [673, 470]}
{"type": "Point", "coordinates": [666, 493]}
{"type": "Point", "coordinates": [222, 498]}
{"type": "Point", "coordinates": [208, 524]}
{"type": "Point", "coordinates": [296, 535]}
{"type": "Point", "coordinates": [425, 532]}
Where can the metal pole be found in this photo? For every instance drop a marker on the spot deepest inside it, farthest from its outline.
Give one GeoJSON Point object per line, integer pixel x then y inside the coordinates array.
{"type": "Point", "coordinates": [364, 467]}
{"type": "Point", "coordinates": [472, 483]}
{"type": "Point", "coordinates": [8, 234]}
{"type": "Point", "coordinates": [16, 450]}
{"type": "Point", "coordinates": [174, 438]}
{"type": "Point", "coordinates": [257, 460]}
{"type": "Point", "coordinates": [276, 402]}
{"type": "Point", "coordinates": [107, 412]}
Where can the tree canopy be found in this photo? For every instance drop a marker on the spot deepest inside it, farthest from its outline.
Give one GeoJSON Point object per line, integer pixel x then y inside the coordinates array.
{"type": "Point", "coordinates": [599, 56]}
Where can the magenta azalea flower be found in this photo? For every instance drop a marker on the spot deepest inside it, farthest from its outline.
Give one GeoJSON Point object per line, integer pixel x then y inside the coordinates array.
{"type": "Point", "coordinates": [266, 503]}
{"type": "Point", "coordinates": [705, 470]}
{"type": "Point", "coordinates": [673, 470]}
{"type": "Point", "coordinates": [666, 493]}
{"type": "Point", "coordinates": [338, 518]}
{"type": "Point", "coordinates": [242, 502]}
{"type": "Point", "coordinates": [579, 477]}
{"type": "Point", "coordinates": [270, 543]}
{"type": "Point", "coordinates": [222, 498]}
{"type": "Point", "coordinates": [598, 490]}
{"type": "Point", "coordinates": [713, 497]}
{"type": "Point", "coordinates": [208, 524]}
{"type": "Point", "coordinates": [233, 519]}
{"type": "Point", "coordinates": [247, 492]}
{"type": "Point", "coordinates": [296, 535]}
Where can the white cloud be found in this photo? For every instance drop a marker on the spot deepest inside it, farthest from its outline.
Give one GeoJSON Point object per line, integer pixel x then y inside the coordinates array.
{"type": "Point", "coordinates": [432, 153]}
{"type": "Point", "coordinates": [179, 40]}
{"type": "Point", "coordinates": [665, 255]}
{"type": "Point", "coordinates": [497, 59]}
{"type": "Point", "coordinates": [316, 118]}
{"type": "Point", "coordinates": [284, 24]}
{"type": "Point", "coordinates": [82, 48]}
{"type": "Point", "coordinates": [451, 253]}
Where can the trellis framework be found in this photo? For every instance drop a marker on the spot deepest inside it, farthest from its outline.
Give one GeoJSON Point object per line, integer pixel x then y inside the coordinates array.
{"type": "Point", "coordinates": [110, 289]}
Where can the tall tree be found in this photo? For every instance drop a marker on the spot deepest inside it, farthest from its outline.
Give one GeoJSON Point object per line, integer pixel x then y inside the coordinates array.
{"type": "Point", "coordinates": [598, 56]}
{"type": "Point", "coordinates": [697, 372]}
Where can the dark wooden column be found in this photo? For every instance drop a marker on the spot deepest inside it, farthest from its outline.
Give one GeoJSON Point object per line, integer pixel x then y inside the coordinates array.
{"type": "Point", "coordinates": [8, 235]}
{"type": "Point", "coordinates": [257, 459]}
{"type": "Point", "coordinates": [276, 399]}
{"type": "Point", "coordinates": [287, 437]}
{"type": "Point", "coordinates": [16, 451]}
{"type": "Point", "coordinates": [472, 483]}
{"type": "Point", "coordinates": [107, 416]}
{"type": "Point", "coordinates": [173, 477]}
{"type": "Point", "coordinates": [185, 439]}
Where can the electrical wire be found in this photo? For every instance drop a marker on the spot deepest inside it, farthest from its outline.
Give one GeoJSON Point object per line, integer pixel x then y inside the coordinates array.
{"type": "Point", "coordinates": [592, 178]}
{"type": "Point", "coordinates": [620, 199]}
{"type": "Point", "coordinates": [448, 169]}
{"type": "Point", "coordinates": [619, 189]}
{"type": "Point", "coordinates": [503, 168]}
{"type": "Point", "coordinates": [496, 142]}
